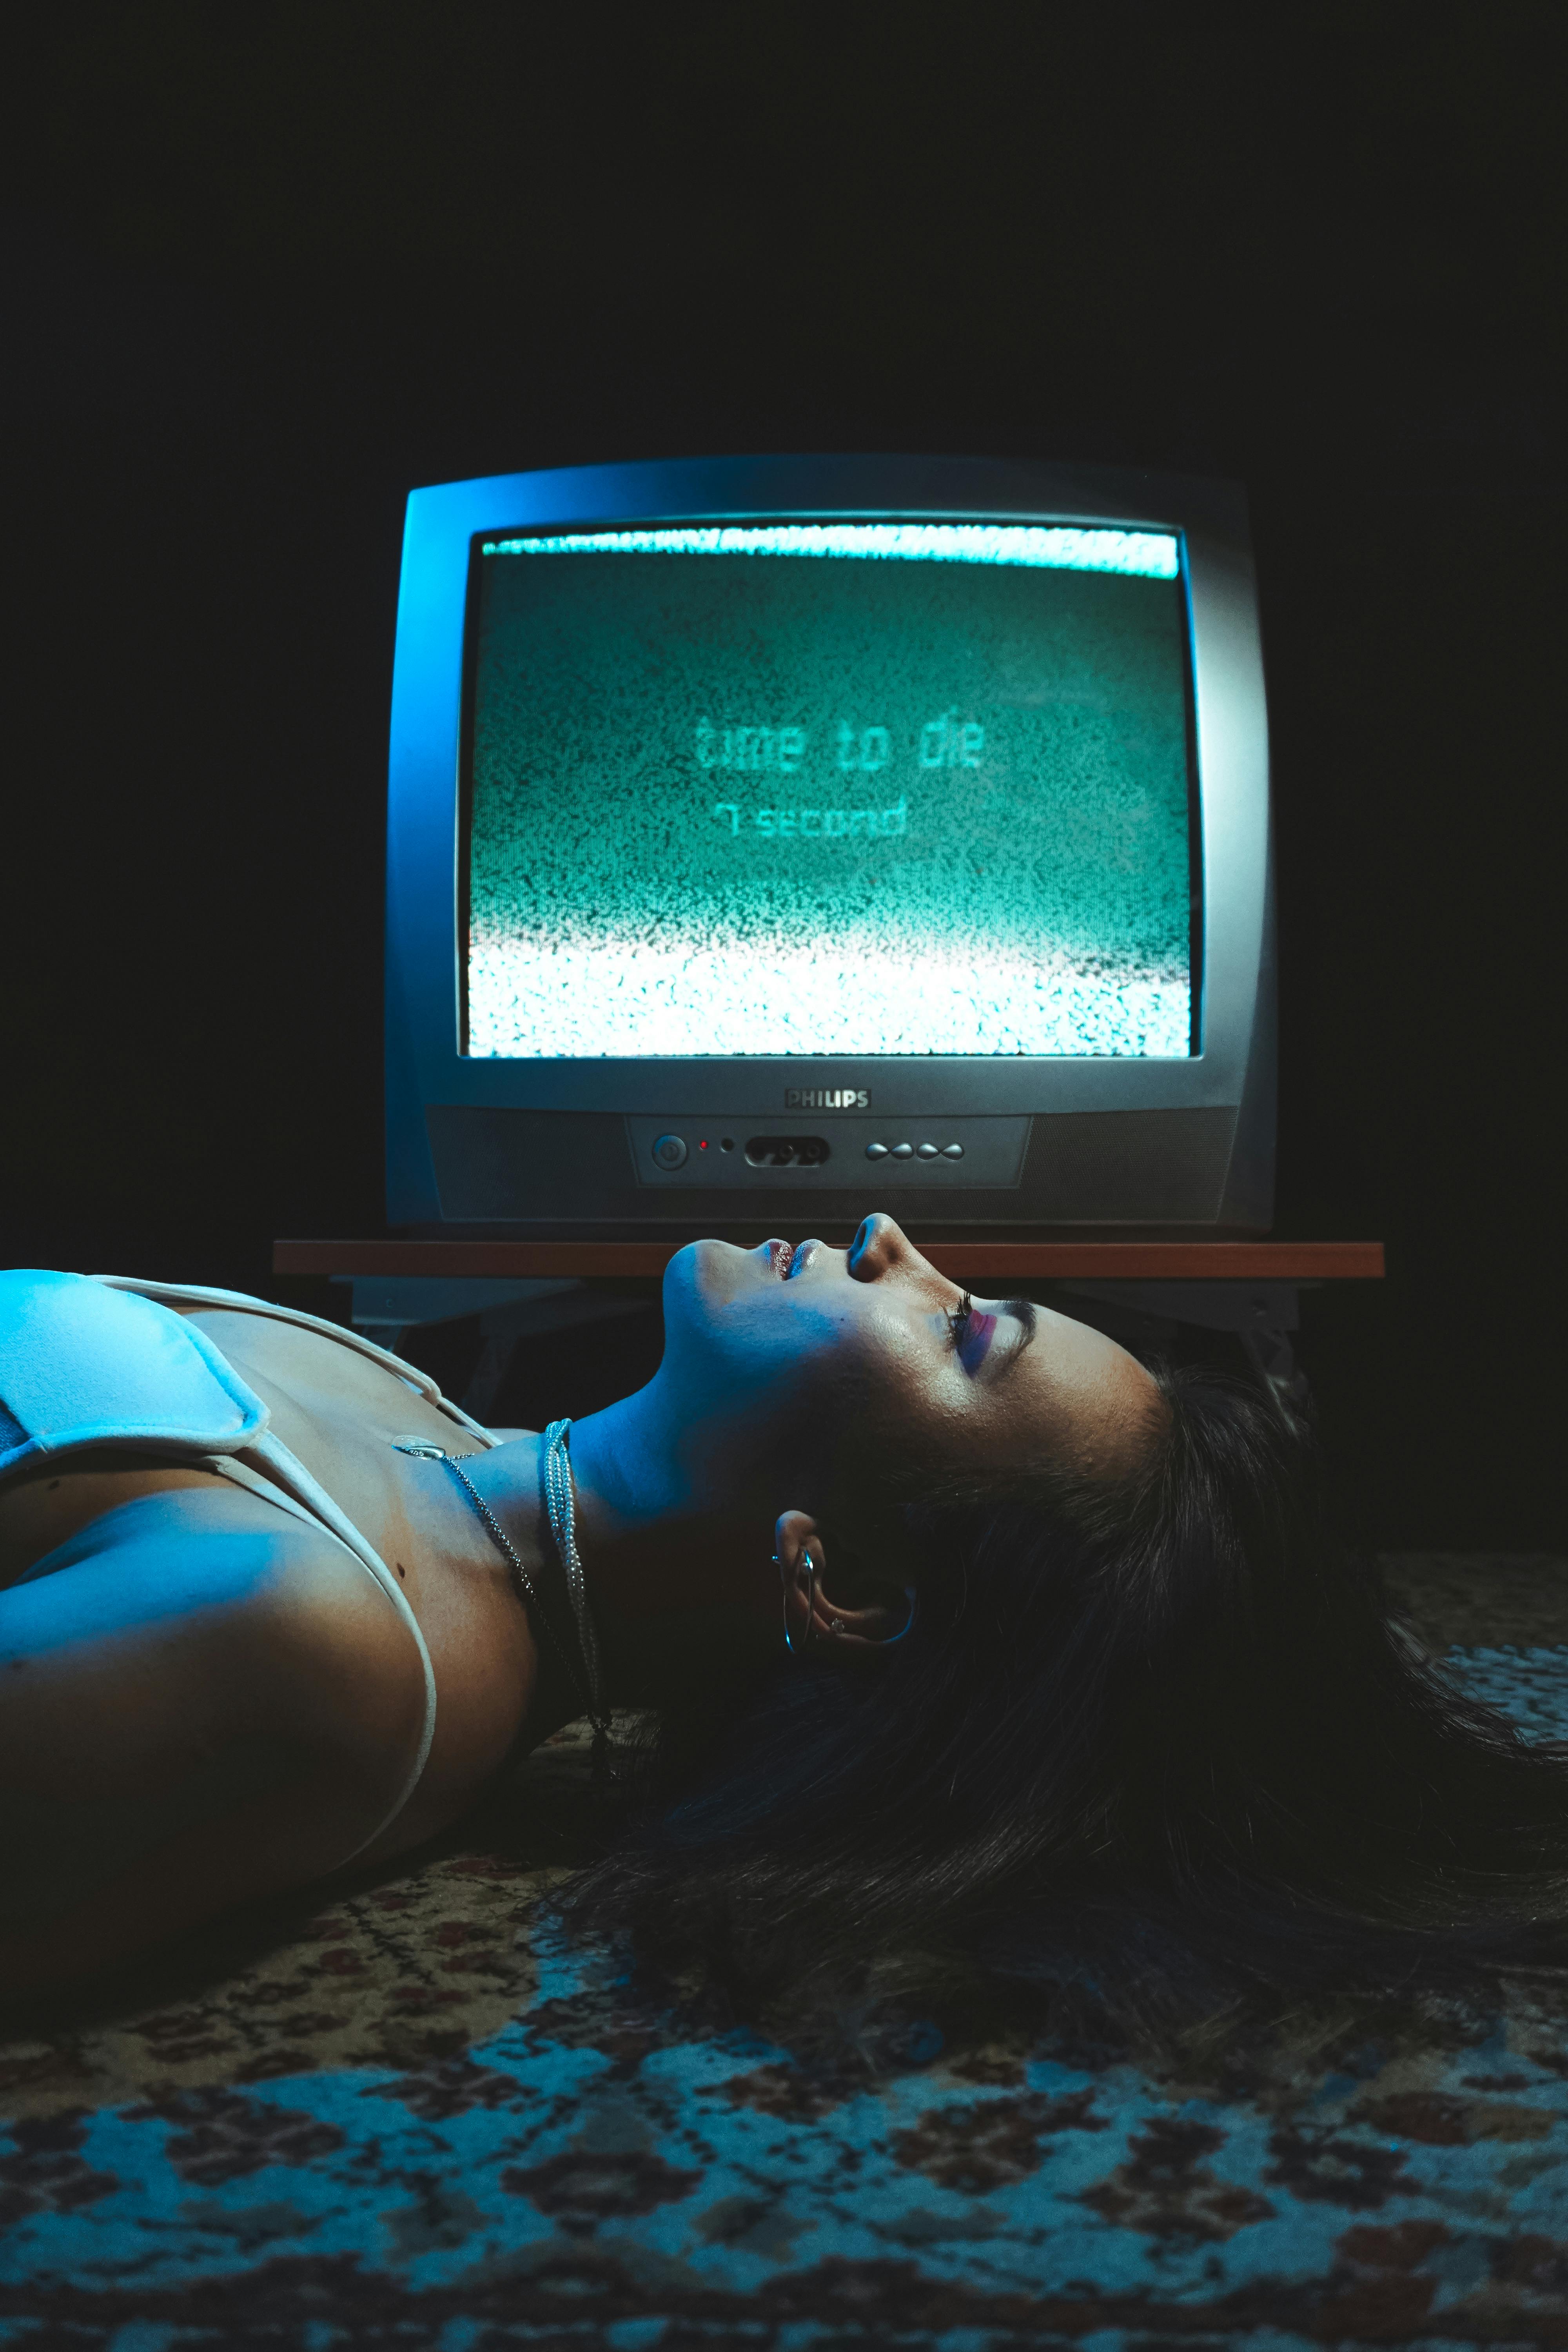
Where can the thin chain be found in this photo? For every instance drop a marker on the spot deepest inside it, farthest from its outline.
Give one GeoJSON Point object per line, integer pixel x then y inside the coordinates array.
{"type": "Point", "coordinates": [561, 1503]}
{"type": "Point", "coordinates": [594, 1707]}
{"type": "Point", "coordinates": [503, 1543]}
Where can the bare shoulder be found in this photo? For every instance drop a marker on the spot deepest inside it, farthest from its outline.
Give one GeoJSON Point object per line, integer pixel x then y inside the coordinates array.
{"type": "Point", "coordinates": [211, 1704]}
{"type": "Point", "coordinates": [318, 1661]}
{"type": "Point", "coordinates": [286, 1623]}
{"type": "Point", "coordinates": [329, 1647]}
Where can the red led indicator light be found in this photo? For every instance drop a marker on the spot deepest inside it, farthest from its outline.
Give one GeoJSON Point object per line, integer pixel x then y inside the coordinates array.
{"type": "Point", "coordinates": [703, 1145]}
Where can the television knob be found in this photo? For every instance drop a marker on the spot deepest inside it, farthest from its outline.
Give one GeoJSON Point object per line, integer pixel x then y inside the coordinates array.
{"type": "Point", "coordinates": [928, 1152]}
{"type": "Point", "coordinates": [953, 1151]}
{"type": "Point", "coordinates": [669, 1151]}
{"type": "Point", "coordinates": [876, 1151]}
{"type": "Point", "coordinates": [903, 1152]}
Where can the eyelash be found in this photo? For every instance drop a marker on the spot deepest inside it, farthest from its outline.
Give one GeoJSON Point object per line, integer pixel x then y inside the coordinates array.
{"type": "Point", "coordinates": [958, 1319]}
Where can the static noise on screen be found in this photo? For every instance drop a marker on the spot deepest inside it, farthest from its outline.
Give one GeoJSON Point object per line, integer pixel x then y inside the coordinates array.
{"type": "Point", "coordinates": [828, 1097]}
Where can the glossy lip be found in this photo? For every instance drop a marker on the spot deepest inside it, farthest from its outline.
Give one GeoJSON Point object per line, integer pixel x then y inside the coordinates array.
{"type": "Point", "coordinates": [801, 1257]}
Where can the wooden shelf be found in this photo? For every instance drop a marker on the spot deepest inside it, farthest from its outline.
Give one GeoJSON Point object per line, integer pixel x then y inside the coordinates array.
{"type": "Point", "coordinates": [965, 1260]}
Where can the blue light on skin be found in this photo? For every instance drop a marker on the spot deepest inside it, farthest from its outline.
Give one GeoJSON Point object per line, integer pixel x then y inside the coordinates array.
{"type": "Point", "coordinates": [1041, 547]}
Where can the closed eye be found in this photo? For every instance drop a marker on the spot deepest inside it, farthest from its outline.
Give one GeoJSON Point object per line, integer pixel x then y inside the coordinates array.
{"type": "Point", "coordinates": [1025, 1315]}
{"type": "Point", "coordinates": [972, 1329]}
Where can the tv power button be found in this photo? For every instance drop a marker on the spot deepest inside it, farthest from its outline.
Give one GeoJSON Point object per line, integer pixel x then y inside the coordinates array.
{"type": "Point", "coordinates": [669, 1151]}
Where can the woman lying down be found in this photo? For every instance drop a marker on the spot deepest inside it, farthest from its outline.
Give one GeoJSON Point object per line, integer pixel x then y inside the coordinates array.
{"type": "Point", "coordinates": [973, 1642]}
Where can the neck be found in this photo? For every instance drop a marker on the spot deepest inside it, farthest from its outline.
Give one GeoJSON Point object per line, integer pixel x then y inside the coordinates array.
{"type": "Point", "coordinates": [666, 1569]}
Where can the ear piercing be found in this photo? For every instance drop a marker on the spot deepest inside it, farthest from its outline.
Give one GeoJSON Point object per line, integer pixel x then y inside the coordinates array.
{"type": "Point", "coordinates": [798, 1649]}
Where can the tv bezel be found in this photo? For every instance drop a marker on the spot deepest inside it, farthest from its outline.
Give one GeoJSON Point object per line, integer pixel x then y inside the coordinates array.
{"type": "Point", "coordinates": [1234, 1066]}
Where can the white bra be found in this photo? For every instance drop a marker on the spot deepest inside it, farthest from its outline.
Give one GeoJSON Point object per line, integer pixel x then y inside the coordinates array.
{"type": "Point", "coordinates": [99, 1360]}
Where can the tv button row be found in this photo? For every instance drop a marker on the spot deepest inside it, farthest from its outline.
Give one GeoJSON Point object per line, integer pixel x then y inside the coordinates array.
{"type": "Point", "coordinates": [914, 1151]}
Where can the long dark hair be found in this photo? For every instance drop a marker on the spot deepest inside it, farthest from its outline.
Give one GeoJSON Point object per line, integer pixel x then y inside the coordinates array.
{"type": "Point", "coordinates": [1157, 1739]}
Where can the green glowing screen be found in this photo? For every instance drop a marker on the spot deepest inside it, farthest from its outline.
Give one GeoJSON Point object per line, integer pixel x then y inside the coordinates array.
{"type": "Point", "coordinates": [848, 789]}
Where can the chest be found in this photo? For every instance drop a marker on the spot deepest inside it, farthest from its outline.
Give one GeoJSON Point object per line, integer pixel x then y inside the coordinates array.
{"type": "Point", "coordinates": [340, 1414]}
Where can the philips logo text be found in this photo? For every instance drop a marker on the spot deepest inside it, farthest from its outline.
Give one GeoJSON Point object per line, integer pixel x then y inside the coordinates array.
{"type": "Point", "coordinates": [828, 1099]}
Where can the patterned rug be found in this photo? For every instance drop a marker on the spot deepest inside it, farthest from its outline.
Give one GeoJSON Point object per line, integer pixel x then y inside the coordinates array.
{"type": "Point", "coordinates": [405, 2119]}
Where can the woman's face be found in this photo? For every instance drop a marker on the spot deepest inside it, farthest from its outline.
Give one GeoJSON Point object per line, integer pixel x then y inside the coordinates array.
{"type": "Point", "coordinates": [787, 1356]}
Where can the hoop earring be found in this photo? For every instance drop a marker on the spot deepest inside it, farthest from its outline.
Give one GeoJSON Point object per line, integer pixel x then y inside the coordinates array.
{"type": "Point", "coordinates": [798, 1649]}
{"type": "Point", "coordinates": [892, 1638]}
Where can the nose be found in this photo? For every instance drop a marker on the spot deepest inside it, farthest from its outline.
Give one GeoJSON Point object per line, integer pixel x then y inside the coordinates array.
{"type": "Point", "coordinates": [880, 1248]}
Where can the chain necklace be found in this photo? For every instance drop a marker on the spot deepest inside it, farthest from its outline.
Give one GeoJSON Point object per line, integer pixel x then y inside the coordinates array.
{"type": "Point", "coordinates": [561, 1509]}
{"type": "Point", "coordinates": [560, 1502]}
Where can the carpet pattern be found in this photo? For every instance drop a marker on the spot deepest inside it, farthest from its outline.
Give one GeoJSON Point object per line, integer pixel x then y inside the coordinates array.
{"type": "Point", "coordinates": [393, 2119]}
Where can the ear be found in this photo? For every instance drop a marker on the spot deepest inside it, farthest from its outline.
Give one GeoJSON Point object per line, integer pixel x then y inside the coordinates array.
{"type": "Point", "coordinates": [813, 1619]}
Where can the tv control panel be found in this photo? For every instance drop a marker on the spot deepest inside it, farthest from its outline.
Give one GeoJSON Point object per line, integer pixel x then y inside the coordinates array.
{"type": "Point", "coordinates": [817, 1150]}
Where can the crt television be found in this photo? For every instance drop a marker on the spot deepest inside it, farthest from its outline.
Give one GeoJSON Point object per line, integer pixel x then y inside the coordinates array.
{"type": "Point", "coordinates": [773, 838]}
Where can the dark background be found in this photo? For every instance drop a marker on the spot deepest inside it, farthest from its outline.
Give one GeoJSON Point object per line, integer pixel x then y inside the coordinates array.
{"type": "Point", "coordinates": [266, 269]}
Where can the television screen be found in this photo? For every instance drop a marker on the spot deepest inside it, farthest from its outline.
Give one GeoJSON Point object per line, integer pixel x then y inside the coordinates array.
{"type": "Point", "coordinates": [846, 789]}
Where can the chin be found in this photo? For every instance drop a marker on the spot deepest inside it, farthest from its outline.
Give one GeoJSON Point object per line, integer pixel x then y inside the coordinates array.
{"type": "Point", "coordinates": [698, 1273]}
